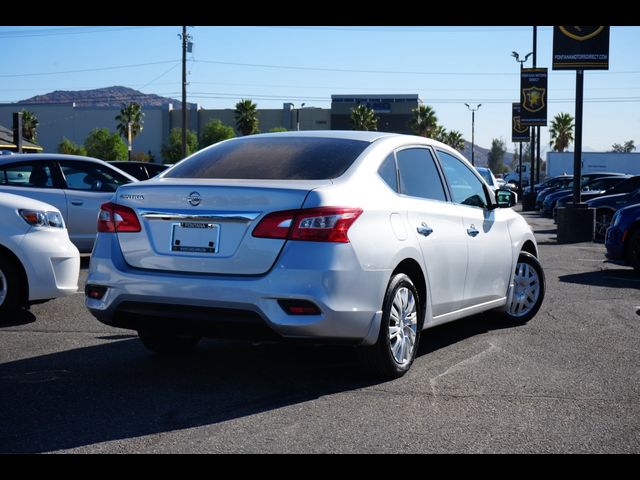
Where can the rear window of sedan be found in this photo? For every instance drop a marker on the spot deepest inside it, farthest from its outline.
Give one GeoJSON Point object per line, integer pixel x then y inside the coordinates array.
{"type": "Point", "coordinates": [283, 158]}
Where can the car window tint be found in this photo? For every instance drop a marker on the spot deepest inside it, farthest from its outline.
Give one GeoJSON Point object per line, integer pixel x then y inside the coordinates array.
{"type": "Point", "coordinates": [35, 174]}
{"type": "Point", "coordinates": [625, 186]}
{"type": "Point", "coordinates": [419, 175]}
{"type": "Point", "coordinates": [90, 176]}
{"type": "Point", "coordinates": [275, 158]}
{"type": "Point", "coordinates": [388, 172]}
{"type": "Point", "coordinates": [466, 188]}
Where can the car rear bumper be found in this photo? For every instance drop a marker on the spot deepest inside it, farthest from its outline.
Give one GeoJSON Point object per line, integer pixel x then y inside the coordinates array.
{"type": "Point", "coordinates": [327, 275]}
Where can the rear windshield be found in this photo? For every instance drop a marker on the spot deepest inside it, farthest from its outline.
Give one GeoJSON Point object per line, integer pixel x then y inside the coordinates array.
{"type": "Point", "coordinates": [283, 158]}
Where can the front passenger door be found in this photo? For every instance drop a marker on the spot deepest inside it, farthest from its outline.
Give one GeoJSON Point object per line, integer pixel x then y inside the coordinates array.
{"type": "Point", "coordinates": [489, 243]}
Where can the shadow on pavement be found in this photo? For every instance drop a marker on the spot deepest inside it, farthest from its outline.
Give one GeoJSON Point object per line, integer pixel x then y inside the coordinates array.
{"type": "Point", "coordinates": [21, 317]}
{"type": "Point", "coordinates": [614, 278]}
{"type": "Point", "coordinates": [119, 390]}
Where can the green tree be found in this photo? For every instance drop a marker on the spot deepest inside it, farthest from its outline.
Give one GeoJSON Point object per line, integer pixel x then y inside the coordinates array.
{"type": "Point", "coordinates": [131, 113]}
{"type": "Point", "coordinates": [215, 131]}
{"type": "Point", "coordinates": [70, 148]}
{"type": "Point", "coordinates": [246, 115]}
{"type": "Point", "coordinates": [561, 132]}
{"type": "Point", "coordinates": [495, 157]}
{"type": "Point", "coordinates": [172, 151]}
{"type": "Point", "coordinates": [424, 121]}
{"type": "Point", "coordinates": [626, 147]}
{"type": "Point", "coordinates": [440, 134]}
{"type": "Point", "coordinates": [29, 125]}
{"type": "Point", "coordinates": [364, 118]}
{"type": "Point", "coordinates": [278, 129]}
{"type": "Point", "coordinates": [102, 144]}
{"type": "Point", "coordinates": [454, 140]}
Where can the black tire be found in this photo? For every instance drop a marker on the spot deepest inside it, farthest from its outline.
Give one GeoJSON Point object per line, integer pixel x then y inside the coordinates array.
{"type": "Point", "coordinates": [603, 220]}
{"type": "Point", "coordinates": [380, 358]}
{"type": "Point", "coordinates": [529, 290]}
{"type": "Point", "coordinates": [168, 343]}
{"type": "Point", "coordinates": [11, 287]}
{"type": "Point", "coordinates": [632, 249]}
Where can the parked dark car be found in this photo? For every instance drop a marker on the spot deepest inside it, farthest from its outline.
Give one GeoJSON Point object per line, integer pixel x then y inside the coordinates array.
{"type": "Point", "coordinates": [626, 186]}
{"type": "Point", "coordinates": [596, 185]}
{"type": "Point", "coordinates": [140, 170]}
{"type": "Point", "coordinates": [623, 237]}
{"type": "Point", "coordinates": [606, 207]}
{"type": "Point", "coordinates": [565, 183]}
{"type": "Point", "coordinates": [549, 182]}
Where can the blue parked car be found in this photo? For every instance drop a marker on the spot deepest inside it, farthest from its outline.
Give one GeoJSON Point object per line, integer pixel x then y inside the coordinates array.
{"type": "Point", "coordinates": [623, 237]}
{"type": "Point", "coordinates": [607, 206]}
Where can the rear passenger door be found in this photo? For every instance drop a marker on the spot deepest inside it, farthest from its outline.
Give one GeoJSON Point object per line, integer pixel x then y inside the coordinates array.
{"type": "Point", "coordinates": [437, 226]}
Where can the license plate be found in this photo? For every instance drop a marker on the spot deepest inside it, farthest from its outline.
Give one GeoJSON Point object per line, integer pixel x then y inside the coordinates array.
{"type": "Point", "coordinates": [195, 237]}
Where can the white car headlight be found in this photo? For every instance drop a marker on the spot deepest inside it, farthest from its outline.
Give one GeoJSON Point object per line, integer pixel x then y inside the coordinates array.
{"type": "Point", "coordinates": [39, 218]}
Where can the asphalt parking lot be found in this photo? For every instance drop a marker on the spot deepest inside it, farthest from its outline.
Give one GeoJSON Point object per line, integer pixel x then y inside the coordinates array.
{"type": "Point", "coordinates": [568, 381]}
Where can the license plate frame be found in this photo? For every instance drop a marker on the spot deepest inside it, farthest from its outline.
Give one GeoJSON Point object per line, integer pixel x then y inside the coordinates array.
{"type": "Point", "coordinates": [195, 237]}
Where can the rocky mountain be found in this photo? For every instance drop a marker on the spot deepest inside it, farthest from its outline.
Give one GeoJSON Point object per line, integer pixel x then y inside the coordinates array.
{"type": "Point", "coordinates": [103, 97]}
{"type": "Point", "coordinates": [481, 155]}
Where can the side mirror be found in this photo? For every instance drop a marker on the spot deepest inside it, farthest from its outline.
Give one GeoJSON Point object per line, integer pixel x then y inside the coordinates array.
{"type": "Point", "coordinates": [505, 198]}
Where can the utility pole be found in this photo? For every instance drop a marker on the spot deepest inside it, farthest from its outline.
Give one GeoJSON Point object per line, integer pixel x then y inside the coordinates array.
{"type": "Point", "coordinates": [184, 91]}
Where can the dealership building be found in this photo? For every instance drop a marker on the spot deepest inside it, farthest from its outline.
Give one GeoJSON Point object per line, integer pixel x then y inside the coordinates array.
{"type": "Point", "coordinates": [58, 121]}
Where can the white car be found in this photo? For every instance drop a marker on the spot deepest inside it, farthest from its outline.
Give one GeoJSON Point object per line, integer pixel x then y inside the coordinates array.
{"type": "Point", "coordinates": [38, 262]}
{"type": "Point", "coordinates": [75, 185]}
{"type": "Point", "coordinates": [364, 238]}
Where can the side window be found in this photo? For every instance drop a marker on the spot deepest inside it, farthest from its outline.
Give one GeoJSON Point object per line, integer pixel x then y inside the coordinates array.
{"type": "Point", "coordinates": [388, 172]}
{"type": "Point", "coordinates": [466, 188]}
{"type": "Point", "coordinates": [90, 176]}
{"type": "Point", "coordinates": [34, 174]}
{"type": "Point", "coordinates": [419, 175]}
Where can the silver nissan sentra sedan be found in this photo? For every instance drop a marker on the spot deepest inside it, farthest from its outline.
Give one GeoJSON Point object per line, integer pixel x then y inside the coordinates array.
{"type": "Point", "coordinates": [361, 238]}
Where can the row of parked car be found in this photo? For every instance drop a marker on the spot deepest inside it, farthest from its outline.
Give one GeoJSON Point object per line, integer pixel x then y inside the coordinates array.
{"type": "Point", "coordinates": [48, 207]}
{"type": "Point", "coordinates": [616, 200]}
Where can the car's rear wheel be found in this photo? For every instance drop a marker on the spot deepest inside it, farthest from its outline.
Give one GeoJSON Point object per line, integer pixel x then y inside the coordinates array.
{"type": "Point", "coordinates": [633, 249]}
{"type": "Point", "coordinates": [168, 343]}
{"type": "Point", "coordinates": [399, 336]}
{"type": "Point", "coordinates": [528, 289]}
{"type": "Point", "coordinates": [603, 220]}
{"type": "Point", "coordinates": [11, 289]}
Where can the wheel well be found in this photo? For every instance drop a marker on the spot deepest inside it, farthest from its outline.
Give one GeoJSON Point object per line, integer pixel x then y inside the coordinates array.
{"type": "Point", "coordinates": [529, 247]}
{"type": "Point", "coordinates": [411, 268]}
{"type": "Point", "coordinates": [5, 252]}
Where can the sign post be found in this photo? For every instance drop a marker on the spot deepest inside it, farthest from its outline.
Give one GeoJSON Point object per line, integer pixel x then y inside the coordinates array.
{"type": "Point", "coordinates": [579, 48]}
{"type": "Point", "coordinates": [519, 134]}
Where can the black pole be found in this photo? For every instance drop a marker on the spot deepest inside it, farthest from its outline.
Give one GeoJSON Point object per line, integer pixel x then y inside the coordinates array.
{"type": "Point", "coordinates": [473, 123]}
{"type": "Point", "coordinates": [535, 132]}
{"type": "Point", "coordinates": [520, 170]}
{"type": "Point", "coordinates": [17, 131]}
{"type": "Point", "coordinates": [532, 173]}
{"type": "Point", "coordinates": [184, 92]}
{"type": "Point", "coordinates": [577, 154]}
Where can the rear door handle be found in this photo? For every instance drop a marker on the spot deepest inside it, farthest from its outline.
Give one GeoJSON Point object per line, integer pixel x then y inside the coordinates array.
{"type": "Point", "coordinates": [424, 229]}
{"type": "Point", "coordinates": [471, 231]}
{"type": "Point", "coordinates": [77, 202]}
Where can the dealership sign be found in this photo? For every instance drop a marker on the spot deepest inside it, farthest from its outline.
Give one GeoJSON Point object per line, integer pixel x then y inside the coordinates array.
{"type": "Point", "coordinates": [519, 133]}
{"type": "Point", "coordinates": [533, 97]}
{"type": "Point", "coordinates": [580, 48]}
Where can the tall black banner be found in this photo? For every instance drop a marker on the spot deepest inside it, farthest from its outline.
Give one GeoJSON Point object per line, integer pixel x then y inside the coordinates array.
{"type": "Point", "coordinates": [533, 97]}
{"type": "Point", "coordinates": [580, 48]}
{"type": "Point", "coordinates": [519, 133]}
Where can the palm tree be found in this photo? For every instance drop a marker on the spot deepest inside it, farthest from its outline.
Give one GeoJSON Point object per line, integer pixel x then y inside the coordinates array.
{"type": "Point", "coordinates": [561, 132]}
{"type": "Point", "coordinates": [454, 140]}
{"type": "Point", "coordinates": [424, 121]}
{"type": "Point", "coordinates": [364, 118]}
{"type": "Point", "coordinates": [247, 117]}
{"type": "Point", "coordinates": [130, 114]}
{"type": "Point", "coordinates": [440, 134]}
{"type": "Point", "coordinates": [29, 125]}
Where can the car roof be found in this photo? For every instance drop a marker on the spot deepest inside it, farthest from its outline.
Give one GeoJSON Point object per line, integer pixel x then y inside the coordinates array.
{"type": "Point", "coordinates": [366, 136]}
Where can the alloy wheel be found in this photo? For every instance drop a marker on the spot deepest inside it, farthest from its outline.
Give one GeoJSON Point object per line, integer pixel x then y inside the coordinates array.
{"type": "Point", "coordinates": [403, 326]}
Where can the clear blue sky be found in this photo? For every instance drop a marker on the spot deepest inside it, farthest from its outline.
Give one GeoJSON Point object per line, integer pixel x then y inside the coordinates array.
{"type": "Point", "coordinates": [447, 66]}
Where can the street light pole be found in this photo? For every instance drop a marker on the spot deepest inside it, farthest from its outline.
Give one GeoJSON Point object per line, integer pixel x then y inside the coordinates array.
{"type": "Point", "coordinates": [473, 127]}
{"type": "Point", "coordinates": [517, 57]}
{"type": "Point", "coordinates": [298, 116]}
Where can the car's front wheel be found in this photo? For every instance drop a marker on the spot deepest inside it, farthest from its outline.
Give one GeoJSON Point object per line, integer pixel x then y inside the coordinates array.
{"type": "Point", "coordinates": [168, 343]}
{"type": "Point", "coordinates": [528, 289]}
{"type": "Point", "coordinates": [395, 350]}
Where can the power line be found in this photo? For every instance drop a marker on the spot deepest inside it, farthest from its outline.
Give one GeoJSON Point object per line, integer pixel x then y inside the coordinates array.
{"type": "Point", "coordinates": [95, 69]}
{"type": "Point", "coordinates": [53, 32]}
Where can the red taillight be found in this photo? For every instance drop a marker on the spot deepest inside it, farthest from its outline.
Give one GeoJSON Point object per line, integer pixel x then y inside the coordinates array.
{"type": "Point", "coordinates": [117, 218]}
{"type": "Point", "coordinates": [322, 224]}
